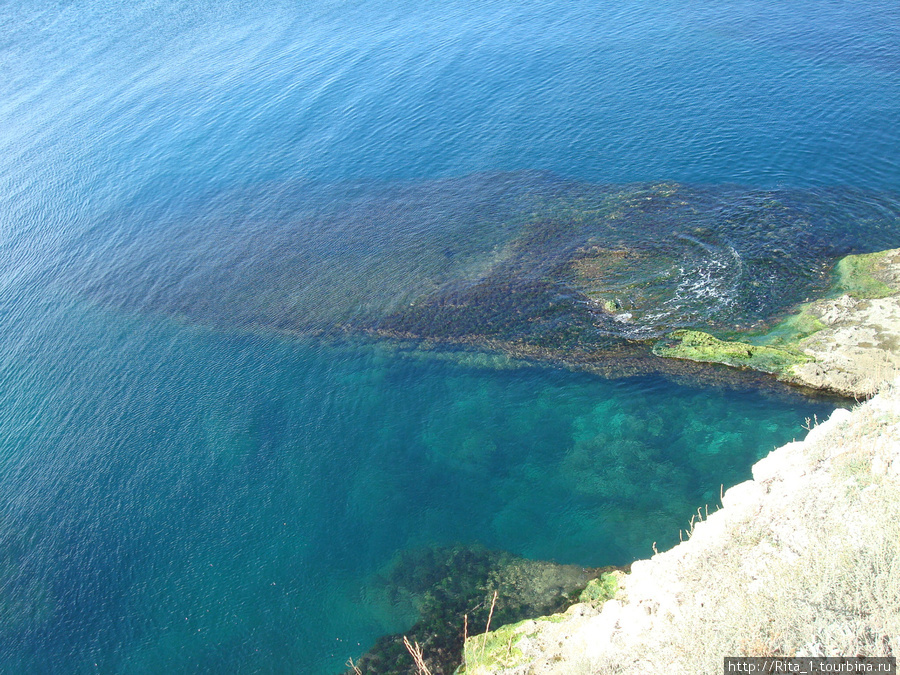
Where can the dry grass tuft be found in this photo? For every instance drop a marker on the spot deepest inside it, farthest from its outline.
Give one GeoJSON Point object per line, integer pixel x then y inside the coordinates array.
{"type": "Point", "coordinates": [415, 651]}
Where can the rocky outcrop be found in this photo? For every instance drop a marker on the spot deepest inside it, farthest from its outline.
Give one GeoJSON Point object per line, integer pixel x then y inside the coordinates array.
{"type": "Point", "coordinates": [441, 585]}
{"type": "Point", "coordinates": [846, 344]}
{"type": "Point", "coordinates": [804, 559]}
{"type": "Point", "coordinates": [857, 351]}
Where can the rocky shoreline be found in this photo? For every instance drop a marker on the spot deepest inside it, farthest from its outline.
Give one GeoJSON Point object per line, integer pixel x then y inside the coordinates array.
{"type": "Point", "coordinates": [802, 560]}
{"type": "Point", "coordinates": [799, 561]}
{"type": "Point", "coordinates": [841, 344]}
{"type": "Point", "coordinates": [845, 343]}
{"type": "Point", "coordinates": [453, 588]}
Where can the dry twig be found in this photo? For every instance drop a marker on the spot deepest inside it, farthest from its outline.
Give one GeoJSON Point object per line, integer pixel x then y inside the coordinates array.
{"type": "Point", "coordinates": [416, 652]}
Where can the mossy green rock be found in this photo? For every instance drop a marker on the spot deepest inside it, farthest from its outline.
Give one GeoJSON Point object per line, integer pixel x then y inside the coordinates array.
{"type": "Point", "coordinates": [699, 346]}
{"type": "Point", "coordinates": [600, 590]}
{"type": "Point", "coordinates": [453, 590]}
{"type": "Point", "coordinates": [499, 648]}
{"type": "Point", "coordinates": [868, 275]}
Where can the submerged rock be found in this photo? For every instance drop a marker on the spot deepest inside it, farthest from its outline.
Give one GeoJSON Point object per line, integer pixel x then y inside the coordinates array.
{"type": "Point", "coordinates": [526, 264]}
{"type": "Point", "coordinates": [457, 591]}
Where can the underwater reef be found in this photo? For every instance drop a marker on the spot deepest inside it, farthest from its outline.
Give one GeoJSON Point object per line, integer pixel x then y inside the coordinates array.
{"type": "Point", "coordinates": [525, 264]}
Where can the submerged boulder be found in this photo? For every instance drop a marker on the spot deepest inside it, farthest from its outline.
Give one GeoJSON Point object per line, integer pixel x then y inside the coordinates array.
{"type": "Point", "coordinates": [460, 591]}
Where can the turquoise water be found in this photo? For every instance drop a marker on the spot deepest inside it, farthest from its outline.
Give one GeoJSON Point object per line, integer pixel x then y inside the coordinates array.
{"type": "Point", "coordinates": [181, 498]}
{"type": "Point", "coordinates": [211, 216]}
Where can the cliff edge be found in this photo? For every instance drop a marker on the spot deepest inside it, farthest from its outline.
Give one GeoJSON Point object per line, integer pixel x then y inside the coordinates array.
{"type": "Point", "coordinates": [802, 560]}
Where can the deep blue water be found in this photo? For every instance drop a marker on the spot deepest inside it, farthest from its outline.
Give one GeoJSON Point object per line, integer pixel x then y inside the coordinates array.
{"type": "Point", "coordinates": [186, 488]}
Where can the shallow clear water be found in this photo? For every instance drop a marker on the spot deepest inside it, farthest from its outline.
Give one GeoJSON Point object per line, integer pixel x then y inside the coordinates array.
{"type": "Point", "coordinates": [207, 215]}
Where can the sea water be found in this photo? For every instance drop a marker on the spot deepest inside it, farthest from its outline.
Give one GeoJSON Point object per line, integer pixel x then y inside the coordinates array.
{"type": "Point", "coordinates": [192, 478]}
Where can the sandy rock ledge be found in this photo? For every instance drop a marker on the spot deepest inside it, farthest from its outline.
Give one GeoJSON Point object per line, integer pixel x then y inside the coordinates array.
{"type": "Point", "coordinates": [857, 350]}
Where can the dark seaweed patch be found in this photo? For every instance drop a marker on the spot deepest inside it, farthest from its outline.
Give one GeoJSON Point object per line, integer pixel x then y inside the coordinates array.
{"type": "Point", "coordinates": [452, 588]}
{"type": "Point", "coordinates": [524, 259]}
{"type": "Point", "coordinates": [537, 312]}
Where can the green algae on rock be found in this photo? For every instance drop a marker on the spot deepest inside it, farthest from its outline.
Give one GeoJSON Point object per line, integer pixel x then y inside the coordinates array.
{"type": "Point", "coordinates": [699, 346]}
{"type": "Point", "coordinates": [844, 342]}
{"type": "Point", "coordinates": [601, 589]}
{"type": "Point", "coordinates": [500, 648]}
{"type": "Point", "coordinates": [868, 275]}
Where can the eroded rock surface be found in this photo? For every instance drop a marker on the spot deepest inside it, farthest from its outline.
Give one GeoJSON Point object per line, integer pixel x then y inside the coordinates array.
{"type": "Point", "coordinates": [858, 350]}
